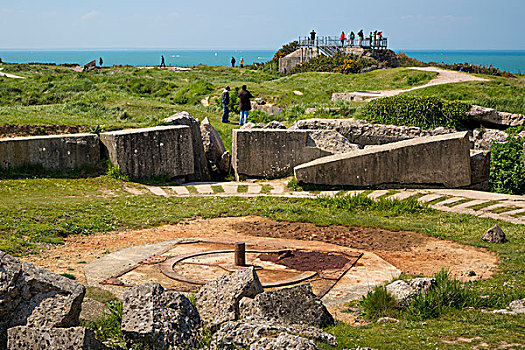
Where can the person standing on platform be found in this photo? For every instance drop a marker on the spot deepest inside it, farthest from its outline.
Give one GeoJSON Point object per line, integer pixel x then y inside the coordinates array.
{"type": "Point", "coordinates": [312, 36]}
{"type": "Point", "coordinates": [225, 100]}
{"type": "Point", "coordinates": [342, 39]}
{"type": "Point", "coordinates": [361, 37]}
{"type": "Point", "coordinates": [351, 39]}
{"type": "Point", "coordinates": [371, 37]}
{"type": "Point", "coordinates": [244, 104]}
{"type": "Point", "coordinates": [233, 61]}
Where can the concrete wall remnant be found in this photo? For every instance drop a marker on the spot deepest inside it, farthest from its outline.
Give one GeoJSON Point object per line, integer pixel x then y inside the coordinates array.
{"type": "Point", "coordinates": [430, 161]}
{"type": "Point", "coordinates": [53, 153]}
{"type": "Point", "coordinates": [149, 152]}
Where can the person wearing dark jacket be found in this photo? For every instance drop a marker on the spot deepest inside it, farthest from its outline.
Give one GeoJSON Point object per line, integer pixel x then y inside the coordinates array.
{"type": "Point", "coordinates": [226, 104]}
{"type": "Point", "coordinates": [233, 61]}
{"type": "Point", "coordinates": [244, 104]}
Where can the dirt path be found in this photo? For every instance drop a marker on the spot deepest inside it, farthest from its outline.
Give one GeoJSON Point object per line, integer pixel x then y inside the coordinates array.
{"type": "Point", "coordinates": [7, 75]}
{"type": "Point", "coordinates": [412, 253]}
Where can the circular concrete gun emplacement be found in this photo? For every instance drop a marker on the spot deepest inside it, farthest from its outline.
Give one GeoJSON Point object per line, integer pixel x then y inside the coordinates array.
{"type": "Point", "coordinates": [337, 274]}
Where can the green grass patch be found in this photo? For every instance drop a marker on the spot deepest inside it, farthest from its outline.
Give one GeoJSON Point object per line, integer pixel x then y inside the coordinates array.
{"type": "Point", "coordinates": [439, 200]}
{"type": "Point", "coordinates": [389, 193]}
{"type": "Point", "coordinates": [483, 205]}
{"type": "Point", "coordinates": [266, 189]}
{"type": "Point", "coordinates": [217, 189]}
{"type": "Point", "coordinates": [242, 188]}
{"type": "Point", "coordinates": [192, 189]}
{"type": "Point", "coordinates": [456, 203]}
{"type": "Point", "coordinates": [99, 294]}
{"type": "Point", "coordinates": [502, 210]}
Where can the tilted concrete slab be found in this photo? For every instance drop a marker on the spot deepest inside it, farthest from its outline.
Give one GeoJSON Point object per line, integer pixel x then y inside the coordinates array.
{"type": "Point", "coordinates": [437, 161]}
{"type": "Point", "coordinates": [149, 152]}
{"type": "Point", "coordinates": [54, 153]}
{"type": "Point", "coordinates": [275, 152]}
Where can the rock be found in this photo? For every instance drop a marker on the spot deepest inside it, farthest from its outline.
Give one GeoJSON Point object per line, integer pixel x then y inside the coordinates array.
{"type": "Point", "coordinates": [438, 161]}
{"type": "Point", "coordinates": [160, 319]}
{"type": "Point", "coordinates": [370, 69]}
{"type": "Point", "coordinates": [92, 310]}
{"type": "Point", "coordinates": [201, 172]}
{"type": "Point", "coordinates": [150, 152]}
{"type": "Point", "coordinates": [489, 116]}
{"type": "Point", "coordinates": [387, 320]}
{"type": "Point", "coordinates": [401, 291]}
{"type": "Point", "coordinates": [218, 158]}
{"type": "Point", "coordinates": [295, 305]}
{"type": "Point", "coordinates": [218, 300]}
{"type": "Point", "coordinates": [284, 341]}
{"type": "Point", "coordinates": [33, 338]}
{"type": "Point", "coordinates": [482, 139]}
{"type": "Point", "coordinates": [274, 124]}
{"type": "Point", "coordinates": [479, 170]}
{"type": "Point", "coordinates": [298, 93]}
{"type": "Point", "coordinates": [422, 284]}
{"type": "Point", "coordinates": [494, 235]}
{"type": "Point", "coordinates": [267, 108]}
{"type": "Point", "coordinates": [259, 101]}
{"type": "Point", "coordinates": [330, 141]}
{"type": "Point", "coordinates": [517, 306]}
{"type": "Point", "coordinates": [241, 334]}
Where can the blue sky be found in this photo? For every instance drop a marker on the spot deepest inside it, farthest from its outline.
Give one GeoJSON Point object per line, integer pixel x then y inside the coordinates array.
{"type": "Point", "coordinates": [236, 24]}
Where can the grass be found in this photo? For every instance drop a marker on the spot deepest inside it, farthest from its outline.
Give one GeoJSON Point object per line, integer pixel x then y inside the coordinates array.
{"type": "Point", "coordinates": [266, 189]}
{"type": "Point", "coordinates": [38, 212]}
{"type": "Point", "coordinates": [483, 205]}
{"type": "Point", "coordinates": [438, 200]}
{"type": "Point", "coordinates": [504, 209]}
{"type": "Point", "coordinates": [217, 189]}
{"type": "Point", "coordinates": [192, 189]}
{"type": "Point", "coordinates": [456, 203]}
{"type": "Point", "coordinates": [242, 189]}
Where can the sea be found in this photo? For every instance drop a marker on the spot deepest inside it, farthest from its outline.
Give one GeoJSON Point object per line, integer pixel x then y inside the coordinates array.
{"type": "Point", "coordinates": [511, 61]}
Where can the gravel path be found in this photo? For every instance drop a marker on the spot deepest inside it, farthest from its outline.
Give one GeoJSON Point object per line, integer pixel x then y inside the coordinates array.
{"type": "Point", "coordinates": [7, 75]}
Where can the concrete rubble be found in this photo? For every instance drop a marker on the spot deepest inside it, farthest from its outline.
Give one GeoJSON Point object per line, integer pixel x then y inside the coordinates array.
{"type": "Point", "coordinates": [151, 152]}
{"type": "Point", "coordinates": [446, 162]}
{"type": "Point", "coordinates": [218, 158]}
{"type": "Point", "coordinates": [31, 338]}
{"type": "Point", "coordinates": [489, 116]}
{"type": "Point", "coordinates": [201, 171]}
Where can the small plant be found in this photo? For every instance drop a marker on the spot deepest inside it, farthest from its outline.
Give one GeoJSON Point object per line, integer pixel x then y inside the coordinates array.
{"type": "Point", "coordinates": [293, 185]}
{"type": "Point", "coordinates": [113, 172]}
{"type": "Point", "coordinates": [507, 172]}
{"type": "Point", "coordinates": [68, 275]}
{"type": "Point", "coordinates": [107, 328]}
{"type": "Point", "coordinates": [378, 303]}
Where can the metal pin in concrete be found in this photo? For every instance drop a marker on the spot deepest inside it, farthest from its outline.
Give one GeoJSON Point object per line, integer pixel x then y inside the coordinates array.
{"type": "Point", "coordinates": [240, 254]}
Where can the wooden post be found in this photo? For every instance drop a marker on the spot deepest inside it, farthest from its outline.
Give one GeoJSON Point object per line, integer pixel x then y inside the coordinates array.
{"type": "Point", "coordinates": [240, 254]}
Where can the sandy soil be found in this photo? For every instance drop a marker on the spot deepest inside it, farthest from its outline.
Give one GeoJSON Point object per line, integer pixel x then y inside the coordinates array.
{"type": "Point", "coordinates": [412, 253]}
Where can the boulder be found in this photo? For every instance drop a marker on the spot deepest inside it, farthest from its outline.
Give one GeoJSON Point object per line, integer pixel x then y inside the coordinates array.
{"type": "Point", "coordinates": [438, 161]}
{"type": "Point", "coordinates": [494, 235]}
{"type": "Point", "coordinates": [149, 152]}
{"type": "Point", "coordinates": [489, 116]}
{"type": "Point", "coordinates": [33, 338]}
{"type": "Point", "coordinates": [218, 300]}
{"type": "Point", "coordinates": [482, 139]}
{"type": "Point", "coordinates": [295, 305]}
{"type": "Point", "coordinates": [218, 158]}
{"type": "Point", "coordinates": [274, 124]}
{"type": "Point", "coordinates": [517, 306]}
{"type": "Point", "coordinates": [401, 291]}
{"type": "Point", "coordinates": [479, 170]}
{"type": "Point", "coordinates": [35, 297]}
{"type": "Point", "coordinates": [284, 341]}
{"type": "Point", "coordinates": [160, 319]}
{"type": "Point", "coordinates": [201, 171]}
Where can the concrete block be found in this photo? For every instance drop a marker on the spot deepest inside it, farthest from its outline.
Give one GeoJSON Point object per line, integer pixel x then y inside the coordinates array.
{"type": "Point", "coordinates": [271, 152]}
{"type": "Point", "coordinates": [31, 338]}
{"type": "Point", "coordinates": [149, 152]}
{"type": "Point", "coordinates": [480, 170]}
{"type": "Point", "coordinates": [53, 153]}
{"type": "Point", "coordinates": [430, 161]}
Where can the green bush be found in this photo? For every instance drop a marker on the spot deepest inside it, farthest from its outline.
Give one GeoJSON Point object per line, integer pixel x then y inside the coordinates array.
{"type": "Point", "coordinates": [340, 63]}
{"type": "Point", "coordinates": [507, 172]}
{"type": "Point", "coordinates": [284, 51]}
{"type": "Point", "coordinates": [423, 112]}
{"type": "Point", "coordinates": [378, 303]}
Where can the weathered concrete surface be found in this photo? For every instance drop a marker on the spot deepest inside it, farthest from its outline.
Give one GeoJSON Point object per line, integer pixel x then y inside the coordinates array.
{"type": "Point", "coordinates": [150, 152]}
{"type": "Point", "coordinates": [54, 153]}
{"type": "Point", "coordinates": [31, 338]}
{"type": "Point", "coordinates": [489, 116]}
{"type": "Point", "coordinates": [482, 139]}
{"type": "Point", "coordinates": [480, 170]}
{"type": "Point", "coordinates": [218, 158]}
{"type": "Point", "coordinates": [435, 161]}
{"type": "Point", "coordinates": [274, 153]}
{"type": "Point", "coordinates": [201, 172]}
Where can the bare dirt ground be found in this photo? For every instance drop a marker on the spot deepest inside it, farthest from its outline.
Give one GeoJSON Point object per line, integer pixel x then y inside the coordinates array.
{"type": "Point", "coordinates": [413, 253]}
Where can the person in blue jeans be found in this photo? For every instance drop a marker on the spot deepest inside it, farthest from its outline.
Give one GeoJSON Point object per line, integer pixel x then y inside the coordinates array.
{"type": "Point", "coordinates": [244, 104]}
{"type": "Point", "coordinates": [226, 104]}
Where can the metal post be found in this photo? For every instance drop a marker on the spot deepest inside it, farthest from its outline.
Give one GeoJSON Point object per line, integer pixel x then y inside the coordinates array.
{"type": "Point", "coordinates": [240, 254]}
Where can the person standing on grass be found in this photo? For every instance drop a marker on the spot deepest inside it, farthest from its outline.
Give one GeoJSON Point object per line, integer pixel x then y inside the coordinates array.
{"type": "Point", "coordinates": [244, 104]}
{"type": "Point", "coordinates": [162, 62]}
{"type": "Point", "coordinates": [100, 62]}
{"type": "Point", "coordinates": [342, 39]}
{"type": "Point", "coordinates": [233, 61]}
{"type": "Point", "coordinates": [226, 104]}
{"type": "Point", "coordinates": [242, 62]}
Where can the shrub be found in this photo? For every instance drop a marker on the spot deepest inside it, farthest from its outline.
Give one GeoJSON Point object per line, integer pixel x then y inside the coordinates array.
{"type": "Point", "coordinates": [340, 63]}
{"type": "Point", "coordinates": [284, 51]}
{"type": "Point", "coordinates": [507, 172]}
{"type": "Point", "coordinates": [378, 303]}
{"type": "Point", "coordinates": [423, 112]}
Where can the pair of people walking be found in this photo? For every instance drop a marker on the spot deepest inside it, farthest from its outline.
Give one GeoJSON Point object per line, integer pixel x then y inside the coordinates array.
{"type": "Point", "coordinates": [233, 61]}
{"type": "Point", "coordinates": [244, 104]}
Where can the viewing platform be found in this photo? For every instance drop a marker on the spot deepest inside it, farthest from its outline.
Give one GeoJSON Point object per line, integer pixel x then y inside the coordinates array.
{"type": "Point", "coordinates": [331, 45]}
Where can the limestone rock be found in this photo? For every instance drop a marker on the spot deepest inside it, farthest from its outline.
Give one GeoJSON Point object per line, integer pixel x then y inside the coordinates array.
{"type": "Point", "coordinates": [490, 116]}
{"type": "Point", "coordinates": [387, 320]}
{"type": "Point", "coordinates": [33, 338]}
{"type": "Point", "coordinates": [295, 305]}
{"type": "Point", "coordinates": [517, 306]}
{"type": "Point", "coordinates": [159, 318]}
{"type": "Point", "coordinates": [482, 139]}
{"type": "Point", "coordinates": [248, 125]}
{"type": "Point", "coordinates": [401, 291]}
{"type": "Point", "coordinates": [218, 158]}
{"type": "Point", "coordinates": [274, 124]}
{"type": "Point", "coordinates": [494, 235]}
{"type": "Point", "coordinates": [422, 284]}
{"type": "Point", "coordinates": [201, 171]}
{"type": "Point", "coordinates": [218, 300]}
{"type": "Point", "coordinates": [284, 341]}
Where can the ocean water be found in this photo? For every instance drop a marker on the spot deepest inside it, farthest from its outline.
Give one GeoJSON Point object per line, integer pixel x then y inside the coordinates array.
{"type": "Point", "coordinates": [512, 61]}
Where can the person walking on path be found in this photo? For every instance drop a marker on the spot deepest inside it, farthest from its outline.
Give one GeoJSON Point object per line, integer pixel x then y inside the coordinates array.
{"type": "Point", "coordinates": [162, 63]}
{"type": "Point", "coordinates": [242, 62]}
{"type": "Point", "coordinates": [361, 36]}
{"type": "Point", "coordinates": [226, 104]}
{"type": "Point", "coordinates": [100, 62]}
{"type": "Point", "coordinates": [244, 104]}
{"type": "Point", "coordinates": [233, 61]}
{"type": "Point", "coordinates": [342, 39]}
{"type": "Point", "coordinates": [351, 39]}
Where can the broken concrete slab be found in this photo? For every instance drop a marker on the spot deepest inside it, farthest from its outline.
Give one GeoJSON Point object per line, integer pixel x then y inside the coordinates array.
{"type": "Point", "coordinates": [489, 116]}
{"type": "Point", "coordinates": [480, 170]}
{"type": "Point", "coordinates": [31, 338]}
{"type": "Point", "coordinates": [218, 158]}
{"type": "Point", "coordinates": [432, 161]}
{"type": "Point", "coordinates": [201, 172]}
{"type": "Point", "coordinates": [275, 152]}
{"type": "Point", "coordinates": [53, 153]}
{"type": "Point", "coordinates": [149, 152]}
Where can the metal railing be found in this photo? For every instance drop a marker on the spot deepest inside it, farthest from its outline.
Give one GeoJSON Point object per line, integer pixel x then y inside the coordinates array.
{"type": "Point", "coordinates": [326, 43]}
